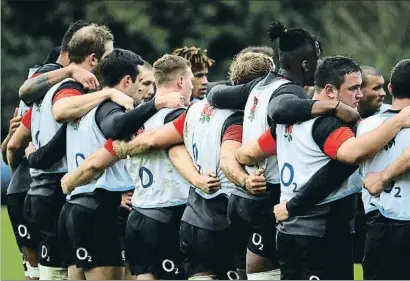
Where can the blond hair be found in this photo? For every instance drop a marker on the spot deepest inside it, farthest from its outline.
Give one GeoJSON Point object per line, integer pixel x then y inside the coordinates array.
{"type": "Point", "coordinates": [248, 66]}
{"type": "Point", "coordinates": [87, 40]}
{"type": "Point", "coordinates": [168, 68]}
{"type": "Point", "coordinates": [199, 59]}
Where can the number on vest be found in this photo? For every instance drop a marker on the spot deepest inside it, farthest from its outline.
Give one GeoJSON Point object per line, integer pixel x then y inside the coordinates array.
{"type": "Point", "coordinates": [195, 153]}
{"type": "Point", "coordinates": [287, 174]}
{"type": "Point", "coordinates": [81, 156]}
{"type": "Point", "coordinates": [141, 173]}
{"type": "Point", "coordinates": [37, 140]}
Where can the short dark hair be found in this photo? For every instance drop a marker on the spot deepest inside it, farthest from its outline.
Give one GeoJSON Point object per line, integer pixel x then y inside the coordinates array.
{"type": "Point", "coordinates": [400, 80]}
{"type": "Point", "coordinates": [70, 32]}
{"type": "Point", "coordinates": [292, 40]}
{"type": "Point", "coordinates": [118, 64]}
{"type": "Point", "coordinates": [87, 40]}
{"type": "Point", "coordinates": [53, 55]}
{"type": "Point", "coordinates": [332, 70]}
{"type": "Point", "coordinates": [368, 71]}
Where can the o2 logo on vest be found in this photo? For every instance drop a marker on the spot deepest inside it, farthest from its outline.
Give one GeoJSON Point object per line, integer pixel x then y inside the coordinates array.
{"type": "Point", "coordinates": [287, 174]}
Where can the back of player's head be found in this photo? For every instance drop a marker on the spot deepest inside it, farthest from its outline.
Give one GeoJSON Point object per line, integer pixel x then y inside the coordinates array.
{"type": "Point", "coordinates": [53, 55]}
{"type": "Point", "coordinates": [70, 32]}
{"type": "Point", "coordinates": [293, 41]}
{"type": "Point", "coordinates": [88, 40]}
{"type": "Point", "coordinates": [117, 64]}
{"type": "Point", "coordinates": [258, 49]}
{"type": "Point", "coordinates": [169, 68]}
{"type": "Point", "coordinates": [333, 70]}
{"type": "Point", "coordinates": [248, 66]}
{"type": "Point", "coordinates": [400, 80]}
{"type": "Point", "coordinates": [198, 58]}
{"type": "Point", "coordinates": [368, 71]}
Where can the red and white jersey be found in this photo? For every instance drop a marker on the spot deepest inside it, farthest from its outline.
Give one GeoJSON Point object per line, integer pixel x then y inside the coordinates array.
{"type": "Point", "coordinates": [202, 137]}
{"type": "Point", "coordinates": [157, 182]}
{"type": "Point", "coordinates": [255, 123]}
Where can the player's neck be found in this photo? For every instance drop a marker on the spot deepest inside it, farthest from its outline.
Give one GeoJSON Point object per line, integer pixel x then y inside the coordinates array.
{"type": "Point", "coordinates": [399, 104]}
{"type": "Point", "coordinates": [290, 75]}
{"type": "Point", "coordinates": [166, 90]}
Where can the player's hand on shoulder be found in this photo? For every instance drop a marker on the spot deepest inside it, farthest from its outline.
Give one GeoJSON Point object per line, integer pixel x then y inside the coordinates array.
{"type": "Point", "coordinates": [347, 113]}
{"type": "Point", "coordinates": [170, 100]}
{"type": "Point", "coordinates": [121, 99]}
{"type": "Point", "coordinates": [85, 77]}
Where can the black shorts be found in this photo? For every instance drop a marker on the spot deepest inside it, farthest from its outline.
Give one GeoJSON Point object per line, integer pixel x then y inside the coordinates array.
{"type": "Point", "coordinates": [254, 223]}
{"type": "Point", "coordinates": [26, 234]}
{"type": "Point", "coordinates": [209, 251]}
{"type": "Point", "coordinates": [90, 236]}
{"type": "Point", "coordinates": [359, 235]}
{"type": "Point", "coordinates": [303, 257]}
{"type": "Point", "coordinates": [387, 250]}
{"type": "Point", "coordinates": [153, 246]}
{"type": "Point", "coordinates": [43, 213]}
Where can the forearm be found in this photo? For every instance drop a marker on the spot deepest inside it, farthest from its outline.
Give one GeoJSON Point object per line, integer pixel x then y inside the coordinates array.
{"type": "Point", "coordinates": [399, 167]}
{"type": "Point", "coordinates": [162, 137]}
{"type": "Point", "coordinates": [85, 173]}
{"type": "Point", "coordinates": [35, 88]}
{"type": "Point", "coordinates": [355, 150]}
{"type": "Point", "coordinates": [290, 109]}
{"type": "Point", "coordinates": [72, 108]}
{"type": "Point", "coordinates": [233, 97]}
{"type": "Point", "coordinates": [181, 160]}
{"type": "Point", "coordinates": [16, 145]}
{"type": "Point", "coordinates": [122, 125]}
{"type": "Point", "coordinates": [4, 148]}
{"type": "Point", "coordinates": [234, 171]}
{"type": "Point", "coordinates": [53, 151]}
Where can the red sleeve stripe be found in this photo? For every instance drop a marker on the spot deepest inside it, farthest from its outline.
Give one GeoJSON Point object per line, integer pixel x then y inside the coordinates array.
{"type": "Point", "coordinates": [26, 120]}
{"type": "Point", "coordinates": [179, 123]}
{"type": "Point", "coordinates": [234, 132]}
{"type": "Point", "coordinates": [267, 143]}
{"type": "Point", "coordinates": [36, 74]}
{"type": "Point", "coordinates": [65, 93]}
{"type": "Point", "coordinates": [335, 140]}
{"type": "Point", "coordinates": [109, 146]}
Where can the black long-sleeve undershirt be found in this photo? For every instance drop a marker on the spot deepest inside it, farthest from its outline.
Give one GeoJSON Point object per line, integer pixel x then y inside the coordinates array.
{"type": "Point", "coordinates": [288, 104]}
{"type": "Point", "coordinates": [111, 119]}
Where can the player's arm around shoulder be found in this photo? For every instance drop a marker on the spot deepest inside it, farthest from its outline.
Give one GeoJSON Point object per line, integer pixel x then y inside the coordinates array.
{"type": "Point", "coordinates": [356, 149]}
{"type": "Point", "coordinates": [90, 168]}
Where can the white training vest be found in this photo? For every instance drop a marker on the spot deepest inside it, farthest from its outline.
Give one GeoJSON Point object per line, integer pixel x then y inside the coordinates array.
{"type": "Point", "coordinates": [299, 158]}
{"type": "Point", "coordinates": [44, 127]}
{"type": "Point", "coordinates": [157, 182]}
{"type": "Point", "coordinates": [394, 201]}
{"type": "Point", "coordinates": [202, 138]}
{"type": "Point", "coordinates": [83, 139]}
{"type": "Point", "coordinates": [255, 123]}
{"type": "Point", "coordinates": [356, 179]}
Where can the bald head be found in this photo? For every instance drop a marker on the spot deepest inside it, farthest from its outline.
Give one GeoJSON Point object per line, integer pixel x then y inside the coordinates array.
{"type": "Point", "coordinates": [368, 71]}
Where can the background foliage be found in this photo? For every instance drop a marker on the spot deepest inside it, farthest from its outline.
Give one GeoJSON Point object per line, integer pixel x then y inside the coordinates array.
{"type": "Point", "coordinates": [376, 33]}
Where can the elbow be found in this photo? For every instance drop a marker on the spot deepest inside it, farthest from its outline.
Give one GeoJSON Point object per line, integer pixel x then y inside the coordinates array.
{"type": "Point", "coordinates": [244, 159]}
{"type": "Point", "coordinates": [22, 93]}
{"type": "Point", "coordinates": [59, 114]}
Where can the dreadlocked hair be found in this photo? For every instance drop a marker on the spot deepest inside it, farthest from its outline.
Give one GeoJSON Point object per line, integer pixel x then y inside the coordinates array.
{"type": "Point", "coordinates": [198, 58]}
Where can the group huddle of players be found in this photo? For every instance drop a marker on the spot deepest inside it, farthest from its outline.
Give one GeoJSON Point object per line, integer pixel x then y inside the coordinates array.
{"type": "Point", "coordinates": [127, 170]}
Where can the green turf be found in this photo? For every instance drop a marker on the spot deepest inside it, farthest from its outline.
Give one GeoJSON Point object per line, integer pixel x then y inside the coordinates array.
{"type": "Point", "coordinates": [11, 268]}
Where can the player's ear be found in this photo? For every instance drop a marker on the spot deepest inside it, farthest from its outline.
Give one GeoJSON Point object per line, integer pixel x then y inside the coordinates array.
{"type": "Point", "coordinates": [330, 91]}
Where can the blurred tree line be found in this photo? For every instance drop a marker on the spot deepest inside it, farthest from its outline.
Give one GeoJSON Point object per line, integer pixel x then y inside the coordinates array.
{"type": "Point", "coordinates": [375, 33]}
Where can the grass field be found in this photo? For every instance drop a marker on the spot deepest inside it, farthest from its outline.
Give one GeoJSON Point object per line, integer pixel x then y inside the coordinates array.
{"type": "Point", "coordinates": [11, 268]}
